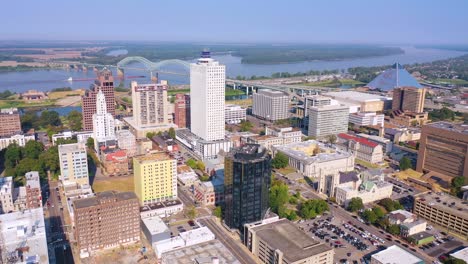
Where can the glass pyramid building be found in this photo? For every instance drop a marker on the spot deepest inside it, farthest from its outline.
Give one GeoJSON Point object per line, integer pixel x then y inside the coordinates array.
{"type": "Point", "coordinates": [397, 76]}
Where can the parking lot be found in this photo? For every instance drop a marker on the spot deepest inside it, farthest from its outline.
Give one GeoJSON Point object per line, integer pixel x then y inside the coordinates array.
{"type": "Point", "coordinates": [182, 227]}
{"type": "Point", "coordinates": [351, 243]}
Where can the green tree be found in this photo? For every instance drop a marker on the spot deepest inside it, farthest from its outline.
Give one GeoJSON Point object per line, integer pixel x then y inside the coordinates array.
{"type": "Point", "coordinates": [27, 165]}
{"type": "Point", "coordinates": [292, 215]}
{"type": "Point", "coordinates": [32, 149]}
{"type": "Point", "coordinates": [312, 208]}
{"type": "Point", "coordinates": [30, 120]}
{"type": "Point", "coordinates": [172, 133]}
{"type": "Point", "coordinates": [331, 139]}
{"type": "Point", "coordinates": [452, 260]}
{"type": "Point", "coordinates": [200, 165]}
{"type": "Point", "coordinates": [246, 125]}
{"type": "Point", "coordinates": [218, 212]}
{"type": "Point", "coordinates": [75, 120]}
{"type": "Point", "coordinates": [90, 143]}
{"type": "Point", "coordinates": [378, 212]}
{"type": "Point", "coordinates": [50, 158]}
{"type": "Point", "coordinates": [12, 155]}
{"type": "Point", "coordinates": [405, 163]}
{"type": "Point", "coordinates": [369, 216]}
{"type": "Point", "coordinates": [191, 212]}
{"type": "Point", "coordinates": [279, 196]}
{"type": "Point", "coordinates": [150, 135]}
{"type": "Point", "coordinates": [191, 163]}
{"type": "Point", "coordinates": [458, 182]}
{"type": "Point", "coordinates": [355, 204]}
{"type": "Point", "coordinates": [393, 229]}
{"type": "Point", "coordinates": [51, 118]}
{"type": "Point", "coordinates": [280, 161]}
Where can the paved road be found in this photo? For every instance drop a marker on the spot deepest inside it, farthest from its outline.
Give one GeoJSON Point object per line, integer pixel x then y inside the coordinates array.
{"type": "Point", "coordinates": [184, 197]}
{"type": "Point", "coordinates": [225, 238]}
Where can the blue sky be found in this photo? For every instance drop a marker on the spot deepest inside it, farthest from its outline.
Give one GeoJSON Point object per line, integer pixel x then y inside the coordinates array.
{"type": "Point", "coordinates": [310, 21]}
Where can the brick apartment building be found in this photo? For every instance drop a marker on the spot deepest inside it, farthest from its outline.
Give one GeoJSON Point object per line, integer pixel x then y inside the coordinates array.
{"type": "Point", "coordinates": [105, 83]}
{"type": "Point", "coordinates": [9, 122]}
{"type": "Point", "coordinates": [182, 110]}
{"type": "Point", "coordinates": [106, 220]}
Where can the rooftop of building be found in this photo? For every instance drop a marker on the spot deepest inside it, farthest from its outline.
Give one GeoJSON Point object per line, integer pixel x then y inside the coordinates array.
{"type": "Point", "coordinates": [65, 148]}
{"type": "Point", "coordinates": [272, 93]}
{"type": "Point", "coordinates": [233, 107]}
{"type": "Point", "coordinates": [32, 179]}
{"type": "Point", "coordinates": [263, 137]}
{"type": "Point", "coordinates": [9, 111]}
{"type": "Point", "coordinates": [293, 242]}
{"type": "Point", "coordinates": [159, 205]}
{"type": "Point", "coordinates": [401, 214]}
{"type": "Point", "coordinates": [374, 137]}
{"type": "Point", "coordinates": [395, 254]}
{"type": "Point", "coordinates": [415, 223]}
{"type": "Point", "coordinates": [461, 254]}
{"type": "Point", "coordinates": [397, 76]}
{"type": "Point", "coordinates": [421, 235]}
{"type": "Point", "coordinates": [444, 202]}
{"type": "Point", "coordinates": [329, 107]}
{"type": "Point", "coordinates": [304, 151]}
{"type": "Point", "coordinates": [155, 225]}
{"type": "Point", "coordinates": [153, 157]}
{"type": "Point", "coordinates": [350, 176]}
{"type": "Point", "coordinates": [356, 96]}
{"type": "Point", "coordinates": [200, 254]}
{"type": "Point", "coordinates": [103, 196]}
{"type": "Point", "coordinates": [454, 127]}
{"type": "Point", "coordinates": [248, 153]}
{"type": "Point", "coordinates": [360, 140]}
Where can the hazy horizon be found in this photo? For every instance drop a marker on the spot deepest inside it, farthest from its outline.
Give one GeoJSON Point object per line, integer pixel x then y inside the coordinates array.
{"type": "Point", "coordinates": [397, 22]}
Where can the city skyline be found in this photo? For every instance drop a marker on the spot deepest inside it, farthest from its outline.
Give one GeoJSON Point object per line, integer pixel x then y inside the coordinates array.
{"type": "Point", "coordinates": [299, 22]}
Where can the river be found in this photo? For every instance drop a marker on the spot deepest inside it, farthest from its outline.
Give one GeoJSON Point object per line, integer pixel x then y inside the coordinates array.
{"type": "Point", "coordinates": [44, 80]}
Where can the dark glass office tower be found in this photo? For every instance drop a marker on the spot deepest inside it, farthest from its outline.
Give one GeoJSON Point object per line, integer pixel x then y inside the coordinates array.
{"type": "Point", "coordinates": [247, 178]}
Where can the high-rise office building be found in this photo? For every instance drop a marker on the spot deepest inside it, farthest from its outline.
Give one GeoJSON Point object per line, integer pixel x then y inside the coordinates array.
{"type": "Point", "coordinates": [73, 163]}
{"type": "Point", "coordinates": [105, 83]}
{"type": "Point", "coordinates": [182, 110]}
{"type": "Point", "coordinates": [9, 122]}
{"type": "Point", "coordinates": [443, 149]}
{"type": "Point", "coordinates": [106, 220]}
{"type": "Point", "coordinates": [103, 123]}
{"type": "Point", "coordinates": [155, 177]}
{"type": "Point", "coordinates": [207, 92]}
{"type": "Point", "coordinates": [409, 99]}
{"type": "Point", "coordinates": [328, 120]}
{"type": "Point", "coordinates": [247, 178]}
{"type": "Point", "coordinates": [149, 104]}
{"type": "Point", "coordinates": [270, 105]}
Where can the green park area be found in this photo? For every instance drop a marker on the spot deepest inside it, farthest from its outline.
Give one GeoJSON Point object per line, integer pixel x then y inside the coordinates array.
{"type": "Point", "coordinates": [451, 81]}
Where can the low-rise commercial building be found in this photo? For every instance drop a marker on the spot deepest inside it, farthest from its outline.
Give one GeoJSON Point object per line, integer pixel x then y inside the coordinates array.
{"type": "Point", "coordinates": [234, 114]}
{"type": "Point", "coordinates": [361, 148]}
{"type": "Point", "coordinates": [18, 138]}
{"type": "Point", "coordinates": [127, 141]}
{"type": "Point", "coordinates": [421, 238]}
{"type": "Point", "coordinates": [406, 119]}
{"type": "Point", "coordinates": [282, 242]}
{"type": "Point", "coordinates": [210, 192]}
{"type": "Point", "coordinates": [399, 217]}
{"type": "Point", "coordinates": [386, 143]}
{"type": "Point", "coordinates": [366, 119]}
{"type": "Point", "coordinates": [208, 252]}
{"type": "Point", "coordinates": [461, 254]}
{"type": "Point", "coordinates": [368, 191]}
{"type": "Point", "coordinates": [409, 229]}
{"type": "Point", "coordinates": [288, 134]}
{"type": "Point", "coordinates": [364, 102]}
{"type": "Point", "coordinates": [165, 143]}
{"type": "Point", "coordinates": [115, 162]}
{"type": "Point", "coordinates": [267, 141]}
{"type": "Point", "coordinates": [395, 254]}
{"type": "Point", "coordinates": [319, 162]}
{"type": "Point", "coordinates": [186, 176]}
{"type": "Point", "coordinates": [107, 220]}
{"type": "Point", "coordinates": [155, 229]}
{"type": "Point", "coordinates": [161, 209]}
{"type": "Point", "coordinates": [184, 239]}
{"type": "Point", "coordinates": [23, 237]}
{"type": "Point", "coordinates": [444, 210]}
{"type": "Point", "coordinates": [402, 134]}
{"type": "Point", "coordinates": [204, 149]}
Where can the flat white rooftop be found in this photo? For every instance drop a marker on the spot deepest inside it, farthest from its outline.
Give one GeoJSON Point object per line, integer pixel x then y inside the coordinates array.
{"type": "Point", "coordinates": [394, 255]}
{"type": "Point", "coordinates": [356, 96]}
{"type": "Point", "coordinates": [461, 254]}
{"type": "Point", "coordinates": [155, 225]}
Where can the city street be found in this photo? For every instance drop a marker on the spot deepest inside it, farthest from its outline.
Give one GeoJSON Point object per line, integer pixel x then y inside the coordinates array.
{"type": "Point", "coordinates": [237, 249]}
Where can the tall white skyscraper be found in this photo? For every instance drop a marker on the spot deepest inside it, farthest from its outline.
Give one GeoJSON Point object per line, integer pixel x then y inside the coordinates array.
{"type": "Point", "coordinates": [207, 90]}
{"type": "Point", "coordinates": [103, 122]}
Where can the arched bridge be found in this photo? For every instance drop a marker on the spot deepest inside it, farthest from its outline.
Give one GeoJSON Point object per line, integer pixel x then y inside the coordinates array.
{"type": "Point", "coordinates": [152, 66]}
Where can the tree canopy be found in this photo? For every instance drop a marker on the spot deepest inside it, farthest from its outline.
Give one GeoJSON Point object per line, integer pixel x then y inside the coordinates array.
{"type": "Point", "coordinates": [405, 163]}
{"type": "Point", "coordinates": [75, 120]}
{"type": "Point", "coordinates": [390, 205]}
{"type": "Point", "coordinates": [279, 196]}
{"type": "Point", "coordinates": [355, 204]}
{"type": "Point", "coordinates": [245, 125]}
{"type": "Point", "coordinates": [312, 208]}
{"type": "Point", "coordinates": [280, 161]}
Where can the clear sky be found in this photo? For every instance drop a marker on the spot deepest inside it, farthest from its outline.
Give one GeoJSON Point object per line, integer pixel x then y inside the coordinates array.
{"type": "Point", "coordinates": [311, 21]}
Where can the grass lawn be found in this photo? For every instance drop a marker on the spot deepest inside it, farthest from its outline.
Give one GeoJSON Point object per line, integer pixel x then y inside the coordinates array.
{"type": "Point", "coordinates": [62, 94]}
{"type": "Point", "coordinates": [452, 81]}
{"type": "Point", "coordinates": [232, 92]}
{"type": "Point", "coordinates": [350, 82]}
{"type": "Point", "coordinates": [327, 83]}
{"type": "Point", "coordinates": [409, 173]}
{"type": "Point", "coordinates": [22, 104]}
{"type": "Point", "coordinates": [243, 102]}
{"type": "Point", "coordinates": [367, 164]}
{"type": "Point", "coordinates": [287, 170]}
{"type": "Point", "coordinates": [183, 91]}
{"type": "Point", "coordinates": [123, 184]}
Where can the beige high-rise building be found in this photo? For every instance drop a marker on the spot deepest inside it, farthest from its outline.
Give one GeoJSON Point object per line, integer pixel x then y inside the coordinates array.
{"type": "Point", "coordinates": [73, 163]}
{"type": "Point", "coordinates": [149, 104]}
{"type": "Point", "coordinates": [409, 99]}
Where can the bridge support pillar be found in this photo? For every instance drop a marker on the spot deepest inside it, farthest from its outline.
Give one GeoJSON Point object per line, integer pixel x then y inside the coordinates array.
{"type": "Point", "coordinates": [234, 86]}
{"type": "Point", "coordinates": [247, 90]}
{"type": "Point", "coordinates": [120, 73]}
